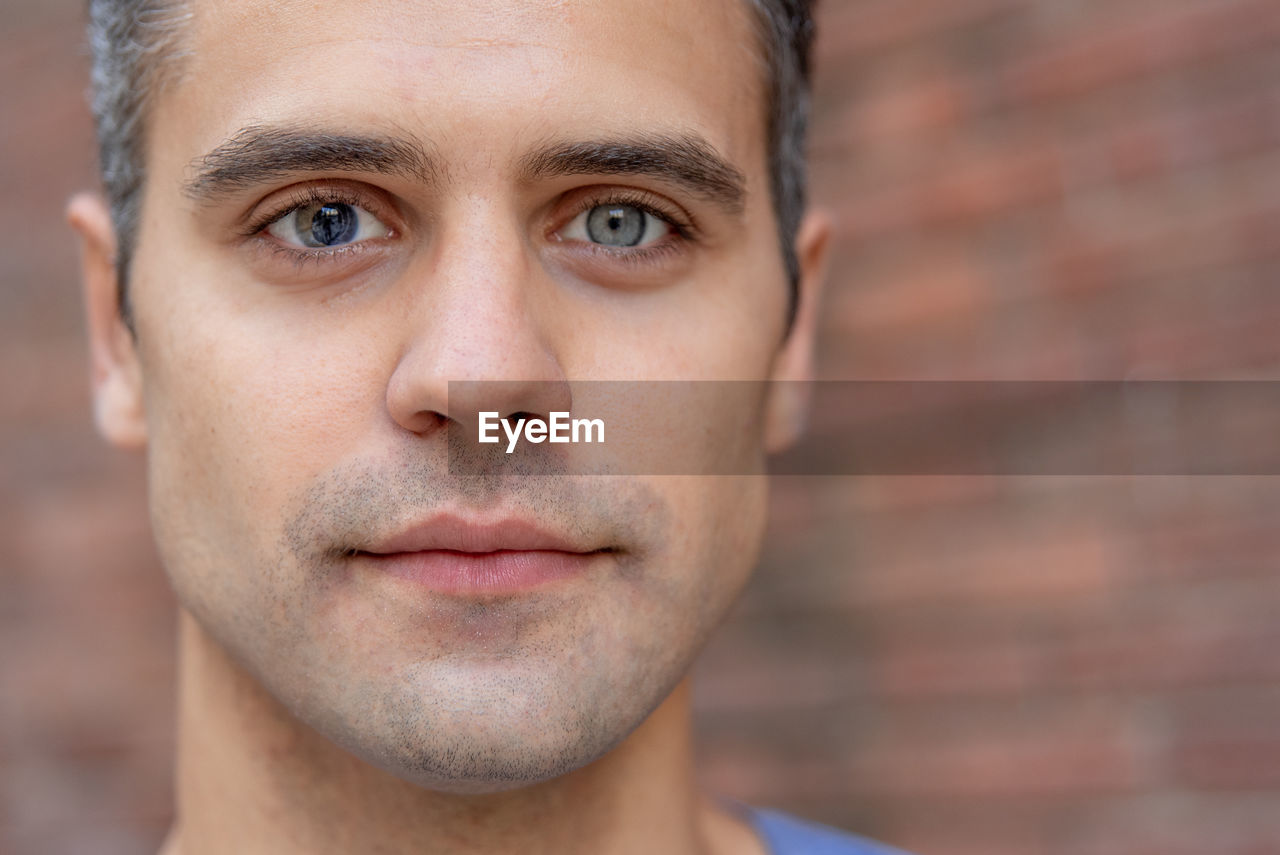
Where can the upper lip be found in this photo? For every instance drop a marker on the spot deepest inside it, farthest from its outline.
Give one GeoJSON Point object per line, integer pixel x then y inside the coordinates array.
{"type": "Point", "coordinates": [458, 534]}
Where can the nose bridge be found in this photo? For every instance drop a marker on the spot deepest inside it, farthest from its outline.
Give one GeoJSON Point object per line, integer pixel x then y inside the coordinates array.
{"type": "Point", "coordinates": [471, 320]}
{"type": "Point", "coordinates": [476, 300]}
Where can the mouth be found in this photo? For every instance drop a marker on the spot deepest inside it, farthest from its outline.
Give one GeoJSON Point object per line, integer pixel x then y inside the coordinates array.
{"type": "Point", "coordinates": [455, 556]}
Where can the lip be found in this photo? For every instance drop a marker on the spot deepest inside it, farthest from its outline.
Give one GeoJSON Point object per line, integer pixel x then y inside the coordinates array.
{"type": "Point", "coordinates": [453, 555]}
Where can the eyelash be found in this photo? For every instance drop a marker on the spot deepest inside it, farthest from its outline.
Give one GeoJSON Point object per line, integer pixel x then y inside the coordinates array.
{"type": "Point", "coordinates": [301, 198]}
{"type": "Point", "coordinates": [683, 229]}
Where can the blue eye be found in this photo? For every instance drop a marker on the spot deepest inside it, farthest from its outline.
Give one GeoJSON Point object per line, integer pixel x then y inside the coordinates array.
{"type": "Point", "coordinates": [333, 224]}
{"type": "Point", "coordinates": [620, 226]}
{"type": "Point", "coordinates": [326, 225]}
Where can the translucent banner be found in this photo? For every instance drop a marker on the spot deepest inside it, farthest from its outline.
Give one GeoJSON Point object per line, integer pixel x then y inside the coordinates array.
{"type": "Point", "coordinates": [865, 428]}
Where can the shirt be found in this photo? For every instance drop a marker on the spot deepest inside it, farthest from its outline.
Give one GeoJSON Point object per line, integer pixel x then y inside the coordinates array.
{"type": "Point", "coordinates": [786, 835]}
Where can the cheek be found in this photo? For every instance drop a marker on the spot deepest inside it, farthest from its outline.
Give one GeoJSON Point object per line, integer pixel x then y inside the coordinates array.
{"type": "Point", "coordinates": [735, 320]}
{"type": "Point", "coordinates": [716, 542]}
{"type": "Point", "coordinates": [241, 418]}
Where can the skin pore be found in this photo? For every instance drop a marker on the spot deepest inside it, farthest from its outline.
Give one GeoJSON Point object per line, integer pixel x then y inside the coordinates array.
{"type": "Point", "coordinates": [293, 402]}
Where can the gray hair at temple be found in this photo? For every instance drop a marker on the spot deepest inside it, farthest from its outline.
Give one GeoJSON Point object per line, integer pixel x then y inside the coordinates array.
{"type": "Point", "coordinates": [136, 45]}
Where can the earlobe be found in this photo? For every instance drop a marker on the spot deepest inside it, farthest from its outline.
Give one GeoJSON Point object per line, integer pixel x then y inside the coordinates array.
{"type": "Point", "coordinates": [787, 407]}
{"type": "Point", "coordinates": [116, 374]}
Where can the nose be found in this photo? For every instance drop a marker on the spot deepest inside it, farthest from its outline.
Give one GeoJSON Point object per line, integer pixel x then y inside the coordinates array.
{"type": "Point", "coordinates": [479, 338]}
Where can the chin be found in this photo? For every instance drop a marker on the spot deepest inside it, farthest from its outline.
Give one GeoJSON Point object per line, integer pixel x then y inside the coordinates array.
{"type": "Point", "coordinates": [475, 764]}
{"type": "Point", "coordinates": [441, 732]}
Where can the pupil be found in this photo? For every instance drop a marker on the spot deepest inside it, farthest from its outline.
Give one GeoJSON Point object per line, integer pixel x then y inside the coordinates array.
{"type": "Point", "coordinates": [333, 224]}
{"type": "Point", "coordinates": [616, 225]}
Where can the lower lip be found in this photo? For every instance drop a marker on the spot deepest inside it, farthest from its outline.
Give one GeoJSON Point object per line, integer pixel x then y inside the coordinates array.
{"type": "Point", "coordinates": [483, 573]}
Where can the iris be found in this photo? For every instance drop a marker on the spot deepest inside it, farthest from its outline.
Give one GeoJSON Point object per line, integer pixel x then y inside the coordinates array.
{"type": "Point", "coordinates": [331, 224]}
{"type": "Point", "coordinates": [616, 225]}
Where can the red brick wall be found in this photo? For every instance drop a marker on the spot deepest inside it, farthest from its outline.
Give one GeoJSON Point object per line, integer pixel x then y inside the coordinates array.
{"type": "Point", "coordinates": [997, 666]}
{"type": "Point", "coordinates": [85, 619]}
{"type": "Point", "coordinates": [1061, 189]}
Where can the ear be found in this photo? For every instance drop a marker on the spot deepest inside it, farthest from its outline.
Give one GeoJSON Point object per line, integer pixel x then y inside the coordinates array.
{"type": "Point", "coordinates": [115, 371]}
{"type": "Point", "coordinates": [787, 406]}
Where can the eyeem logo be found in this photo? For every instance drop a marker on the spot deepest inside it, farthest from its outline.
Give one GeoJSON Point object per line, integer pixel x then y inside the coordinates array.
{"type": "Point", "coordinates": [560, 428]}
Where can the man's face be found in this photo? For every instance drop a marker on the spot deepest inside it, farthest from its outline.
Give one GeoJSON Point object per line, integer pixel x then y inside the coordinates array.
{"type": "Point", "coordinates": [546, 192]}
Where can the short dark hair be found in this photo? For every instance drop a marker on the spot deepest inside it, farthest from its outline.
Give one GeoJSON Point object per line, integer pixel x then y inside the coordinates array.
{"type": "Point", "coordinates": [786, 37]}
{"type": "Point", "coordinates": [136, 45]}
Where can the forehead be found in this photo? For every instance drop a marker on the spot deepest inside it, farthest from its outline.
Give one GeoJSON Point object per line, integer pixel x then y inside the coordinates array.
{"type": "Point", "coordinates": [474, 78]}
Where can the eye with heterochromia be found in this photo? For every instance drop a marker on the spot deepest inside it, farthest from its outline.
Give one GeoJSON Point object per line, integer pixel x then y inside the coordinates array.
{"type": "Point", "coordinates": [619, 226]}
{"type": "Point", "coordinates": [326, 225]}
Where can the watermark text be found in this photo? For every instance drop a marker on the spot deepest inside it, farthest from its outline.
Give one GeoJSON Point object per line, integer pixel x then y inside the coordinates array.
{"type": "Point", "coordinates": [558, 428]}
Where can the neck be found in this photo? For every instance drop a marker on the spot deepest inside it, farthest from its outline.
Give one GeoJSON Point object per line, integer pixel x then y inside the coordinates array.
{"type": "Point", "coordinates": [252, 778]}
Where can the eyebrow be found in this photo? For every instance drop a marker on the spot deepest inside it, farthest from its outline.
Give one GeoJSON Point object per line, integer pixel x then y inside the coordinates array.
{"type": "Point", "coordinates": [686, 160]}
{"type": "Point", "coordinates": [259, 154]}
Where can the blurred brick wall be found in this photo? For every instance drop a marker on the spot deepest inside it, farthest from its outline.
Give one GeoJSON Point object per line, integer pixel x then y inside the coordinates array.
{"type": "Point", "coordinates": [86, 623]}
{"type": "Point", "coordinates": [997, 666]}
{"type": "Point", "coordinates": [1030, 189]}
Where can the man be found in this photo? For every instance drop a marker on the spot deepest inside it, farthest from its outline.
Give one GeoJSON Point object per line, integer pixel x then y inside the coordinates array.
{"type": "Point", "coordinates": [318, 216]}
